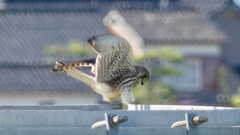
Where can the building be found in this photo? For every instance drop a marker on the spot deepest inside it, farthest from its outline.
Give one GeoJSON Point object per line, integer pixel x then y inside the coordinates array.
{"type": "Point", "coordinates": [28, 27]}
{"type": "Point", "coordinates": [25, 65]}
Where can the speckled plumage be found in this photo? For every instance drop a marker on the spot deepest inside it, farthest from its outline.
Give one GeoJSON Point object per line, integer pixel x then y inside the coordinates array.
{"type": "Point", "coordinates": [114, 73]}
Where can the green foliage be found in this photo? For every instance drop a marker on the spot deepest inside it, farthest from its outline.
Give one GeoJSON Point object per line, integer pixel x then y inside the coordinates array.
{"type": "Point", "coordinates": [74, 47]}
{"type": "Point", "coordinates": [223, 81]}
{"type": "Point", "coordinates": [235, 100]}
{"type": "Point", "coordinates": [162, 54]}
{"type": "Point", "coordinates": [155, 91]}
{"type": "Point", "coordinates": [224, 88]}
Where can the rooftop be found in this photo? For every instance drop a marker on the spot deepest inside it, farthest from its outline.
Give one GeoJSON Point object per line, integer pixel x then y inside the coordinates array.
{"type": "Point", "coordinates": [24, 65]}
{"type": "Point", "coordinates": [173, 26]}
{"type": "Point", "coordinates": [24, 35]}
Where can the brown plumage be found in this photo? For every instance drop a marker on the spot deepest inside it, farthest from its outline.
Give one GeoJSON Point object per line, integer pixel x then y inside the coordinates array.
{"type": "Point", "coordinates": [114, 73]}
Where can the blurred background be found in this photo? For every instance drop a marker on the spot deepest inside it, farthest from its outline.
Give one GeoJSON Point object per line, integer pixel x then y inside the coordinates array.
{"type": "Point", "coordinates": [191, 48]}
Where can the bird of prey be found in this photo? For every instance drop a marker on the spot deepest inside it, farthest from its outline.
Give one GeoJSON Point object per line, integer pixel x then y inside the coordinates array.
{"type": "Point", "coordinates": [114, 73]}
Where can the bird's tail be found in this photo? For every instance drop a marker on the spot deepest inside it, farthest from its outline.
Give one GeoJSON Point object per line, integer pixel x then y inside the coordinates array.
{"type": "Point", "coordinates": [83, 63]}
{"type": "Point", "coordinates": [59, 67]}
{"type": "Point", "coordinates": [75, 73]}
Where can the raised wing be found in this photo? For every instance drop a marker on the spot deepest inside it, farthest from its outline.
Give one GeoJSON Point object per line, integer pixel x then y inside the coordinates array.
{"type": "Point", "coordinates": [113, 56]}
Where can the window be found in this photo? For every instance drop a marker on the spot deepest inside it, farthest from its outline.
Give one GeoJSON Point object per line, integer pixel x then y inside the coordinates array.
{"type": "Point", "coordinates": [190, 78]}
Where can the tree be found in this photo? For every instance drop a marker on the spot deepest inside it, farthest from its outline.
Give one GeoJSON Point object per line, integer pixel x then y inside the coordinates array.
{"type": "Point", "coordinates": [160, 62]}
{"type": "Point", "coordinates": [235, 100]}
{"type": "Point", "coordinates": [73, 48]}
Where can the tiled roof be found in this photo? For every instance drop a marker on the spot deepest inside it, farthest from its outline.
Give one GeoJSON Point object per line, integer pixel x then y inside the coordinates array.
{"type": "Point", "coordinates": [174, 26]}
{"type": "Point", "coordinates": [203, 6]}
{"type": "Point", "coordinates": [24, 65]}
{"type": "Point", "coordinates": [38, 79]}
{"type": "Point", "coordinates": [83, 5]}
{"type": "Point", "coordinates": [206, 6]}
{"type": "Point", "coordinates": [24, 35]}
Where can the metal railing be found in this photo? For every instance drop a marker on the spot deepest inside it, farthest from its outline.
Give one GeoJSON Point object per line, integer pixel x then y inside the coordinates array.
{"type": "Point", "coordinates": [79, 120]}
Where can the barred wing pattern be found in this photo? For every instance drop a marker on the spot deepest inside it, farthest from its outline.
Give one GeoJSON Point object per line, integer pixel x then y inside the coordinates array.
{"type": "Point", "coordinates": [113, 56]}
{"type": "Point", "coordinates": [114, 73]}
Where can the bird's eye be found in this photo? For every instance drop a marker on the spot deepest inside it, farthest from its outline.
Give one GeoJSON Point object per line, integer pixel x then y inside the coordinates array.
{"type": "Point", "coordinates": [144, 77]}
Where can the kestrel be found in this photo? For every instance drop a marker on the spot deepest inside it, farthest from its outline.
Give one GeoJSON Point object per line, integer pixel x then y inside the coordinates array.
{"type": "Point", "coordinates": [114, 73]}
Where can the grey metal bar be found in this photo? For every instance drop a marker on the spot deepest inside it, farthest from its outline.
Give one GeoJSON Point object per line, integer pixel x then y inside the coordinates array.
{"type": "Point", "coordinates": [121, 131]}
{"type": "Point", "coordinates": [175, 107]}
{"type": "Point", "coordinates": [73, 121]}
{"type": "Point", "coordinates": [96, 107]}
{"type": "Point", "coordinates": [61, 131]}
{"type": "Point", "coordinates": [76, 118]}
{"type": "Point", "coordinates": [152, 131]}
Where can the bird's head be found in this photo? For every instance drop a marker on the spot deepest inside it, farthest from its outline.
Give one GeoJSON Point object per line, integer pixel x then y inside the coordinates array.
{"type": "Point", "coordinates": [143, 74]}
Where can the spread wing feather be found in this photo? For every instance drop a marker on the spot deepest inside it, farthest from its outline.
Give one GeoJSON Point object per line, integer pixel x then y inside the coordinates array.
{"type": "Point", "coordinates": [113, 56]}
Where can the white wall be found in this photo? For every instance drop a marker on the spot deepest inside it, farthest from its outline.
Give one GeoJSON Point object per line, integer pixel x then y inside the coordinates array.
{"type": "Point", "coordinates": [37, 98]}
{"type": "Point", "coordinates": [213, 50]}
